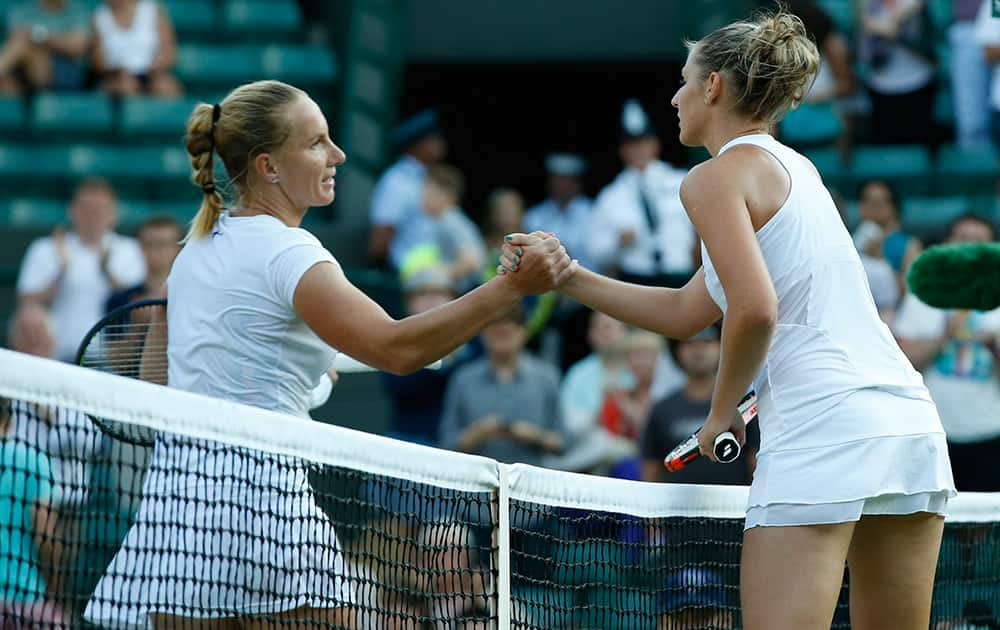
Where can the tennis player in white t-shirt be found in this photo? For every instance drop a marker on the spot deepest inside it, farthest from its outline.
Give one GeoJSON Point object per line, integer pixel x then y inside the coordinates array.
{"type": "Point", "coordinates": [257, 306]}
{"type": "Point", "coordinates": [853, 463]}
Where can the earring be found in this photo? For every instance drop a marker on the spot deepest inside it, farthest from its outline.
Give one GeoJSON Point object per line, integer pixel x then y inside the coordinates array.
{"type": "Point", "coordinates": [274, 179]}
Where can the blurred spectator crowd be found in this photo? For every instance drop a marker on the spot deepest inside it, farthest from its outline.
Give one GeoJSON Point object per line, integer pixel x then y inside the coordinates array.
{"type": "Point", "coordinates": [550, 383]}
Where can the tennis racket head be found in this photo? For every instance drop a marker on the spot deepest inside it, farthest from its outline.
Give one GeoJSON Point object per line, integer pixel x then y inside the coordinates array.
{"type": "Point", "coordinates": [130, 341]}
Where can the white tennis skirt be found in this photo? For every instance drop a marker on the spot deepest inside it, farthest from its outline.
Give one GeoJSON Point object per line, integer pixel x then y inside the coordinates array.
{"type": "Point", "coordinates": [249, 539]}
{"type": "Point", "coordinates": [898, 474]}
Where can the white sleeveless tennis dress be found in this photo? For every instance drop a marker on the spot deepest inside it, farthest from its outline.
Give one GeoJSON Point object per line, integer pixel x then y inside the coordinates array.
{"type": "Point", "coordinates": [846, 425]}
{"type": "Point", "coordinates": [226, 531]}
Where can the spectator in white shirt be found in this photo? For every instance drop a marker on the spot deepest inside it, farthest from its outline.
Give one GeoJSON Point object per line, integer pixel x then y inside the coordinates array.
{"type": "Point", "coordinates": [957, 352]}
{"type": "Point", "coordinates": [75, 273]}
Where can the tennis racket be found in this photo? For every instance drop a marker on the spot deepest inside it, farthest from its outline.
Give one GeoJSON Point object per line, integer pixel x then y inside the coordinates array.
{"type": "Point", "coordinates": [726, 447]}
{"type": "Point", "coordinates": [131, 341]}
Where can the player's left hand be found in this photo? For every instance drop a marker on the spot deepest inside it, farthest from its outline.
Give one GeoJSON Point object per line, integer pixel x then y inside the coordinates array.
{"type": "Point", "coordinates": [715, 425]}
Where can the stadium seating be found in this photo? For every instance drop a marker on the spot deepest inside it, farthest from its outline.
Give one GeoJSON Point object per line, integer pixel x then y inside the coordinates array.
{"type": "Point", "coordinates": [194, 20]}
{"type": "Point", "coordinates": [966, 171]}
{"type": "Point", "coordinates": [143, 117]}
{"type": "Point", "coordinates": [72, 114]}
{"type": "Point", "coordinates": [928, 217]}
{"type": "Point", "coordinates": [211, 67]}
{"type": "Point", "coordinates": [830, 164]}
{"type": "Point", "coordinates": [810, 125]}
{"type": "Point", "coordinates": [12, 116]}
{"type": "Point", "coordinates": [270, 19]}
{"type": "Point", "coordinates": [907, 166]}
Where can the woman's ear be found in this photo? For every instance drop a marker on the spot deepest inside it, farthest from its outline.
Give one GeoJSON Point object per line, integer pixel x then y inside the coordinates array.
{"type": "Point", "coordinates": [265, 169]}
{"type": "Point", "coordinates": [713, 88]}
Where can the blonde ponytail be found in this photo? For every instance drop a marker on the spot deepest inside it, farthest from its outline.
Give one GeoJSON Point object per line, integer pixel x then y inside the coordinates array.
{"type": "Point", "coordinates": [250, 121]}
{"type": "Point", "coordinates": [201, 148]}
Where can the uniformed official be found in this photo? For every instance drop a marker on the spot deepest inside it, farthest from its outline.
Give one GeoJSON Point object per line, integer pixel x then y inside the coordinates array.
{"type": "Point", "coordinates": [567, 210]}
{"type": "Point", "coordinates": [397, 220]}
{"type": "Point", "coordinates": [639, 228]}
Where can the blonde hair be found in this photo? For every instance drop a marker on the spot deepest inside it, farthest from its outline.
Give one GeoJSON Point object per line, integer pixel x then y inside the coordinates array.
{"type": "Point", "coordinates": [248, 122]}
{"type": "Point", "coordinates": [771, 61]}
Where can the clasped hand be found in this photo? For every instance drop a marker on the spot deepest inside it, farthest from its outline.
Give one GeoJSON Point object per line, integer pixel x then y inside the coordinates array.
{"type": "Point", "coordinates": [535, 263]}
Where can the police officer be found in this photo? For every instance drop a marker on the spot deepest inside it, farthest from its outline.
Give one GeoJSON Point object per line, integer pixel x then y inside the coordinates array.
{"type": "Point", "coordinates": [566, 211]}
{"type": "Point", "coordinates": [639, 228]}
{"type": "Point", "coordinates": [397, 220]}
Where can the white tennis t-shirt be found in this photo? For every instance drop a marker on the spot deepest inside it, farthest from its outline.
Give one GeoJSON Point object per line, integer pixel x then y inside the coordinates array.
{"type": "Point", "coordinates": [232, 330]}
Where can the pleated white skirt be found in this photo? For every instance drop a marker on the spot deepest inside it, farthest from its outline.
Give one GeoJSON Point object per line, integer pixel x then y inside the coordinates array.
{"type": "Point", "coordinates": [246, 539]}
{"type": "Point", "coordinates": [894, 474]}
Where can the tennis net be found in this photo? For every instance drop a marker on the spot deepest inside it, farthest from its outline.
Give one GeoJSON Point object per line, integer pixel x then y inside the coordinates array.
{"type": "Point", "coordinates": [238, 513]}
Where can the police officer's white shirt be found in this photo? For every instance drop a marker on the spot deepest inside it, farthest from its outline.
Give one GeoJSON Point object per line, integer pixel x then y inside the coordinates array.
{"type": "Point", "coordinates": [83, 291]}
{"type": "Point", "coordinates": [232, 330]}
{"type": "Point", "coordinates": [618, 209]}
{"type": "Point", "coordinates": [570, 224]}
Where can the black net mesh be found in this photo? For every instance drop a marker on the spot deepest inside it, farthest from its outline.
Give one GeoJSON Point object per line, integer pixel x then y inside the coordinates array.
{"type": "Point", "coordinates": [96, 532]}
{"type": "Point", "coordinates": [584, 569]}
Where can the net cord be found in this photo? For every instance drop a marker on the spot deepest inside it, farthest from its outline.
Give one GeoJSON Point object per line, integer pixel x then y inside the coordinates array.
{"type": "Point", "coordinates": [43, 381]}
{"type": "Point", "coordinates": [48, 382]}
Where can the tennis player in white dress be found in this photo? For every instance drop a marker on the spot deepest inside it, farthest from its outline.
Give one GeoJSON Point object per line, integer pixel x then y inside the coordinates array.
{"type": "Point", "coordinates": [228, 537]}
{"type": "Point", "coordinates": [853, 463]}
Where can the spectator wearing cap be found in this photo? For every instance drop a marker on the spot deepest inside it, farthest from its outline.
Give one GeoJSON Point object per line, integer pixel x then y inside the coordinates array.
{"type": "Point", "coordinates": [677, 417]}
{"type": "Point", "coordinates": [694, 598]}
{"type": "Point", "coordinates": [397, 221]}
{"type": "Point", "coordinates": [505, 405]}
{"type": "Point", "coordinates": [639, 227]}
{"type": "Point", "coordinates": [566, 211]}
{"type": "Point", "coordinates": [46, 44]}
{"type": "Point", "coordinates": [417, 399]}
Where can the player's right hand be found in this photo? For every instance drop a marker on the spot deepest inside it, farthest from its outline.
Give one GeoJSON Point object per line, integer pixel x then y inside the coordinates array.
{"type": "Point", "coordinates": [535, 263]}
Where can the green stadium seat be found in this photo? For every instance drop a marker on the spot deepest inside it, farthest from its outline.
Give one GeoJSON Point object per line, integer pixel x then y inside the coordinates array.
{"type": "Point", "coordinates": [12, 114]}
{"type": "Point", "coordinates": [941, 15]}
{"type": "Point", "coordinates": [811, 124]}
{"type": "Point", "coordinates": [224, 67]}
{"type": "Point", "coordinates": [193, 19]}
{"type": "Point", "coordinates": [928, 217]}
{"type": "Point", "coordinates": [271, 19]}
{"type": "Point", "coordinates": [841, 12]}
{"type": "Point", "coordinates": [966, 171]}
{"type": "Point", "coordinates": [52, 170]}
{"type": "Point", "coordinates": [147, 117]}
{"type": "Point", "coordinates": [831, 167]}
{"type": "Point", "coordinates": [132, 212]}
{"type": "Point", "coordinates": [35, 213]}
{"type": "Point", "coordinates": [944, 107]}
{"type": "Point", "coordinates": [907, 166]}
{"type": "Point", "coordinates": [78, 113]}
